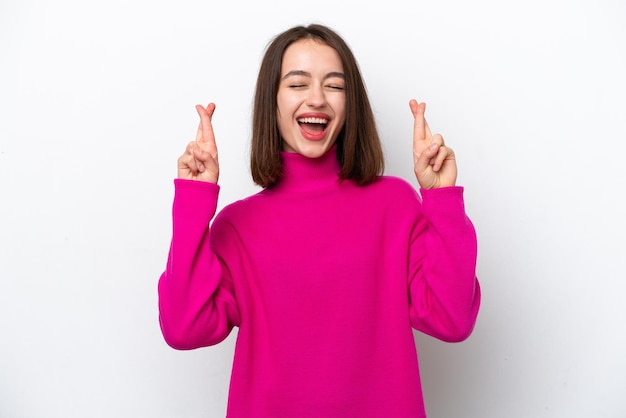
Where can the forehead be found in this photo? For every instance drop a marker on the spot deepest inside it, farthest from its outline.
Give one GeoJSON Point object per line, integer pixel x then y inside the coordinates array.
{"type": "Point", "coordinates": [311, 55]}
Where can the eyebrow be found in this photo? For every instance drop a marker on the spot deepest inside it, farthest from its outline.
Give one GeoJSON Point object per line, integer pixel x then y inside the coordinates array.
{"type": "Point", "coordinates": [307, 74]}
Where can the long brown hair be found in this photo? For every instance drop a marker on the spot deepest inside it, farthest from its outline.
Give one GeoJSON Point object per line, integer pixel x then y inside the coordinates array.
{"type": "Point", "coordinates": [359, 150]}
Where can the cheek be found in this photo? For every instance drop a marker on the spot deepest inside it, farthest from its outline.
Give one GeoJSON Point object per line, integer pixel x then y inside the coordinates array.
{"type": "Point", "coordinates": [339, 104]}
{"type": "Point", "coordinates": [286, 103]}
{"type": "Point", "coordinates": [282, 115]}
{"type": "Point", "coordinates": [340, 112]}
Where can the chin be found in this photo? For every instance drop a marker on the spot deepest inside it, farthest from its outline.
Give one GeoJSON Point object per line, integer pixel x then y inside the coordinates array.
{"type": "Point", "coordinates": [314, 152]}
{"type": "Point", "coordinates": [315, 149]}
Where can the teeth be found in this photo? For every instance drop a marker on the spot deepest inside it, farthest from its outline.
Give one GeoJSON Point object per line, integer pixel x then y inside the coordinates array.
{"type": "Point", "coordinates": [313, 120]}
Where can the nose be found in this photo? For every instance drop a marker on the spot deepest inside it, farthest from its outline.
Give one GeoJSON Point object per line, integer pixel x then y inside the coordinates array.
{"type": "Point", "coordinates": [316, 96]}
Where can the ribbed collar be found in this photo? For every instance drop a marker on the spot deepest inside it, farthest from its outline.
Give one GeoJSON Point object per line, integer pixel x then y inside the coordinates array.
{"type": "Point", "coordinates": [302, 174]}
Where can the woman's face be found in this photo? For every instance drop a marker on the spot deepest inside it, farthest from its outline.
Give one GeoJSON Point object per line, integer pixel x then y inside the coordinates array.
{"type": "Point", "coordinates": [311, 98]}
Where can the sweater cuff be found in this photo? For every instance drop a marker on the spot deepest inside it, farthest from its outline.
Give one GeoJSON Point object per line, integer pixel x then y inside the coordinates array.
{"type": "Point", "coordinates": [443, 202]}
{"type": "Point", "coordinates": [195, 185]}
{"type": "Point", "coordinates": [195, 199]}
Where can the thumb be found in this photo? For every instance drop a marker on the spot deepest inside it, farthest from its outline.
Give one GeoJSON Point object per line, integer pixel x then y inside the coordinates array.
{"type": "Point", "coordinates": [422, 161]}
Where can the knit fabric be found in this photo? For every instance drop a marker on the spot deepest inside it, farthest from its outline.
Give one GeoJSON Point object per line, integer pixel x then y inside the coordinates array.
{"type": "Point", "coordinates": [325, 281]}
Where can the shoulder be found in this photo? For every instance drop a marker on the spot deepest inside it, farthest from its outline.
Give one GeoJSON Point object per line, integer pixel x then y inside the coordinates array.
{"type": "Point", "coordinates": [390, 197]}
{"type": "Point", "coordinates": [394, 187]}
{"type": "Point", "coordinates": [240, 210]}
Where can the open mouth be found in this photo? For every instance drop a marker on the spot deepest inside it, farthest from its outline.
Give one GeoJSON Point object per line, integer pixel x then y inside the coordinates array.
{"type": "Point", "coordinates": [313, 125]}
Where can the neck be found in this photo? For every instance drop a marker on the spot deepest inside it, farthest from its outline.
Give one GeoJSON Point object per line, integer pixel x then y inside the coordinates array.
{"type": "Point", "coordinates": [308, 174]}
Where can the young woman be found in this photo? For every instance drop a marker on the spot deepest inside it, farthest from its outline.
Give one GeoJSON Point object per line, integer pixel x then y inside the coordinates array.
{"type": "Point", "coordinates": [330, 267]}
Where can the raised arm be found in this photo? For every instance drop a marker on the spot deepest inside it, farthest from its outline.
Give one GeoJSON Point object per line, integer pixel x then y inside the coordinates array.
{"type": "Point", "coordinates": [444, 290]}
{"type": "Point", "coordinates": [197, 306]}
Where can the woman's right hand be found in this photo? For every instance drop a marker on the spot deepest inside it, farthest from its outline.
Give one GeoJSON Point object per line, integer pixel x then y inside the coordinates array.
{"type": "Point", "coordinates": [199, 162]}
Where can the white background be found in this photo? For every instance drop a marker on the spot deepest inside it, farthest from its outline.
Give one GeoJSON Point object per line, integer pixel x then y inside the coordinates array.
{"type": "Point", "coordinates": [97, 103]}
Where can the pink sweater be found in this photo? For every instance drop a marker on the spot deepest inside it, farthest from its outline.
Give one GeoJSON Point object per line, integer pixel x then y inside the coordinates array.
{"type": "Point", "coordinates": [325, 280]}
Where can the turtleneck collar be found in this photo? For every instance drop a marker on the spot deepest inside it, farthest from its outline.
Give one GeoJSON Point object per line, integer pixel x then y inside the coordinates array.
{"type": "Point", "coordinates": [305, 174]}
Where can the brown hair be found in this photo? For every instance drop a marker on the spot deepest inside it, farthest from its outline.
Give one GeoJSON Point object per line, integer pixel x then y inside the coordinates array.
{"type": "Point", "coordinates": [359, 150]}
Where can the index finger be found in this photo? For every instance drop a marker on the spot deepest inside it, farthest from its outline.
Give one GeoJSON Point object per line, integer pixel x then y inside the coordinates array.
{"type": "Point", "coordinates": [206, 136]}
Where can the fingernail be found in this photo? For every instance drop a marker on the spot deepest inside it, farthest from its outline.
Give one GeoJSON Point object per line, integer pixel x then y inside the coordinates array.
{"type": "Point", "coordinates": [433, 147]}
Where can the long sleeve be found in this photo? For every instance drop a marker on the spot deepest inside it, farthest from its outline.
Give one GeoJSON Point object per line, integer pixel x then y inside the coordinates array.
{"type": "Point", "coordinates": [444, 290]}
{"type": "Point", "coordinates": [197, 306]}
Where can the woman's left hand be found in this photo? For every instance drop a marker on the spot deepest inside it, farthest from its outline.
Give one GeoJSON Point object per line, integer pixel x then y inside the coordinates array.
{"type": "Point", "coordinates": [434, 163]}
